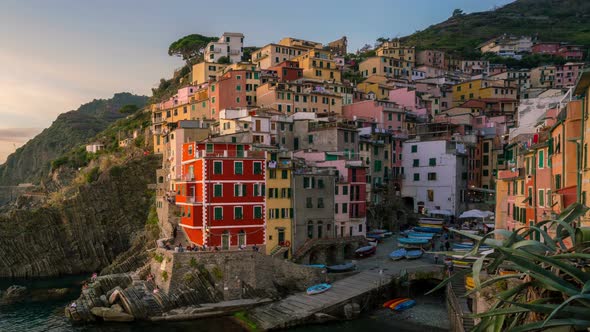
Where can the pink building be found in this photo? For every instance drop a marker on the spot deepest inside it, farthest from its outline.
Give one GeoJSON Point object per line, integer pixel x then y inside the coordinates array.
{"type": "Point", "coordinates": [385, 114]}
{"type": "Point", "coordinates": [566, 75]}
{"type": "Point", "coordinates": [568, 52]}
{"type": "Point", "coordinates": [408, 98]}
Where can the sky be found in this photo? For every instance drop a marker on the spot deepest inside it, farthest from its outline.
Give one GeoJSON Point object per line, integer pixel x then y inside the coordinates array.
{"type": "Point", "coordinates": [56, 55]}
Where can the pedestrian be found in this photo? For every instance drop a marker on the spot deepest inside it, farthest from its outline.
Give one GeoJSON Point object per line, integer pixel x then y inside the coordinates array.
{"type": "Point", "coordinates": [447, 245]}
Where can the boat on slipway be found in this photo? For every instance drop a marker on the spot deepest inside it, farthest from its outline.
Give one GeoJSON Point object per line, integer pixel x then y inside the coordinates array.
{"type": "Point", "coordinates": [317, 289]}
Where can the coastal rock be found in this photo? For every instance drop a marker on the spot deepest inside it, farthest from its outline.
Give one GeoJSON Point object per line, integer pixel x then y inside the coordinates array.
{"type": "Point", "coordinates": [85, 231]}
{"type": "Point", "coordinates": [49, 294]}
{"type": "Point", "coordinates": [117, 308]}
{"type": "Point", "coordinates": [14, 294]}
{"type": "Point", "coordinates": [111, 315]}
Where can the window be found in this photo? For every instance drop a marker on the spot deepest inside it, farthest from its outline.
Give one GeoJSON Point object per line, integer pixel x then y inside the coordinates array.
{"type": "Point", "coordinates": [430, 194]}
{"type": "Point", "coordinates": [217, 190]}
{"type": "Point", "coordinates": [336, 190]}
{"type": "Point", "coordinates": [284, 174]}
{"type": "Point", "coordinates": [308, 203]}
{"type": "Point", "coordinates": [257, 168]}
{"type": "Point", "coordinates": [530, 196]}
{"type": "Point", "coordinates": [344, 190]}
{"type": "Point", "coordinates": [377, 166]}
{"type": "Point", "coordinates": [486, 160]}
{"type": "Point", "coordinates": [272, 174]}
{"type": "Point", "coordinates": [432, 162]}
{"type": "Point", "coordinates": [541, 159]}
{"type": "Point", "coordinates": [238, 212]}
{"type": "Point", "coordinates": [431, 176]}
{"type": "Point", "coordinates": [344, 207]}
{"type": "Point", "coordinates": [416, 162]}
{"type": "Point", "coordinates": [310, 139]}
{"type": "Point", "coordinates": [321, 183]}
{"type": "Point", "coordinates": [541, 197]}
{"type": "Point", "coordinates": [320, 203]}
{"type": "Point", "coordinates": [557, 181]}
{"type": "Point", "coordinates": [336, 208]}
{"type": "Point", "coordinates": [416, 176]}
{"type": "Point", "coordinates": [217, 167]}
{"type": "Point", "coordinates": [209, 148]}
{"type": "Point", "coordinates": [218, 213]}
{"type": "Point", "coordinates": [238, 167]}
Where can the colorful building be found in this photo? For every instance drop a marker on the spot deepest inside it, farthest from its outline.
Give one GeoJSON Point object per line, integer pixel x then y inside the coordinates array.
{"type": "Point", "coordinates": [386, 66]}
{"type": "Point", "coordinates": [230, 45]}
{"type": "Point", "coordinates": [288, 71]}
{"type": "Point", "coordinates": [396, 50]}
{"type": "Point", "coordinates": [222, 195]}
{"type": "Point", "coordinates": [273, 54]}
{"type": "Point", "coordinates": [566, 75]}
{"type": "Point", "coordinates": [204, 72]}
{"type": "Point", "coordinates": [318, 64]}
{"type": "Point", "coordinates": [431, 58]}
{"type": "Point", "coordinates": [279, 204]}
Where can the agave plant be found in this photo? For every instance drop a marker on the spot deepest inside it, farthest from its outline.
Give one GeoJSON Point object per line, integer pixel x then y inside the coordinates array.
{"type": "Point", "coordinates": [551, 283]}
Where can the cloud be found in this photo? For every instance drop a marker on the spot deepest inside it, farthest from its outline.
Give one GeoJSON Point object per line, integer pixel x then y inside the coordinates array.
{"type": "Point", "coordinates": [18, 134]}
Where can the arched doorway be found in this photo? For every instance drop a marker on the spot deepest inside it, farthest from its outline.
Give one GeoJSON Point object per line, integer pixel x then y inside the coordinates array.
{"type": "Point", "coordinates": [314, 257]}
{"type": "Point", "coordinates": [348, 251]}
{"type": "Point", "coordinates": [332, 257]}
{"type": "Point", "coordinates": [241, 238]}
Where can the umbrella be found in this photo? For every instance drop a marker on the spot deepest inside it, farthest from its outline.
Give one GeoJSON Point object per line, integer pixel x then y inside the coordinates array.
{"type": "Point", "coordinates": [476, 214]}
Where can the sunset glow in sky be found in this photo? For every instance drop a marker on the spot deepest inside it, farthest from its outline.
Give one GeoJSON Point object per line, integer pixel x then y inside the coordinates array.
{"type": "Point", "coordinates": [56, 55]}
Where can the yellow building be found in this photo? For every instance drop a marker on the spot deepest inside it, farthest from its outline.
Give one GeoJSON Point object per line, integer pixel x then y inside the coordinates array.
{"type": "Point", "coordinates": [288, 41]}
{"type": "Point", "coordinates": [279, 216]}
{"type": "Point", "coordinates": [381, 91]}
{"type": "Point", "coordinates": [273, 54]}
{"type": "Point", "coordinates": [582, 90]}
{"type": "Point", "coordinates": [482, 89]}
{"type": "Point", "coordinates": [386, 66]}
{"type": "Point", "coordinates": [319, 65]}
{"type": "Point", "coordinates": [394, 49]}
{"type": "Point", "coordinates": [203, 72]}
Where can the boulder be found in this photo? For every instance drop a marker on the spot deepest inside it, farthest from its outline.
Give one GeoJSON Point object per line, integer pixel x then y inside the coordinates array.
{"type": "Point", "coordinates": [15, 294]}
{"type": "Point", "coordinates": [111, 315]}
{"type": "Point", "coordinates": [49, 294]}
{"type": "Point", "coordinates": [117, 307]}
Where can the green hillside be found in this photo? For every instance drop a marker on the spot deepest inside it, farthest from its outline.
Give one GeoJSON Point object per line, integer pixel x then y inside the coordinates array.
{"type": "Point", "coordinates": [548, 20]}
{"type": "Point", "coordinates": [32, 161]}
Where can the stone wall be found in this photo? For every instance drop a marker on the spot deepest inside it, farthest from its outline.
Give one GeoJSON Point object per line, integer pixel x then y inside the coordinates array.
{"type": "Point", "coordinates": [233, 274]}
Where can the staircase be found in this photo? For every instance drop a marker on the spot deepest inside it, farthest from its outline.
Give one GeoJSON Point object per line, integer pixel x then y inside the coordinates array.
{"type": "Point", "coordinates": [278, 251]}
{"type": "Point", "coordinates": [456, 295]}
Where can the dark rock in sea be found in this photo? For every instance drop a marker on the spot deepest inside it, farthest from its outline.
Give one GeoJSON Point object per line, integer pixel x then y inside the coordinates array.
{"type": "Point", "coordinates": [14, 294]}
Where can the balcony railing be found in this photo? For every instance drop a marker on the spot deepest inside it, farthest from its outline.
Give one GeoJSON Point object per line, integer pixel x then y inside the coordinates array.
{"type": "Point", "coordinates": [231, 154]}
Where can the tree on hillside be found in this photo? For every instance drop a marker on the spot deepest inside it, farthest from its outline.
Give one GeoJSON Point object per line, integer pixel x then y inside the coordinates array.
{"type": "Point", "coordinates": [190, 48]}
{"type": "Point", "coordinates": [458, 12]}
{"type": "Point", "coordinates": [381, 40]}
{"type": "Point", "coordinates": [128, 109]}
{"type": "Point", "coordinates": [224, 60]}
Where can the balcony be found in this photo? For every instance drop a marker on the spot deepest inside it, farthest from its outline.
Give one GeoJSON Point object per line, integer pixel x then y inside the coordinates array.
{"type": "Point", "coordinates": [234, 52]}
{"type": "Point", "coordinates": [231, 154]}
{"type": "Point", "coordinates": [215, 50]}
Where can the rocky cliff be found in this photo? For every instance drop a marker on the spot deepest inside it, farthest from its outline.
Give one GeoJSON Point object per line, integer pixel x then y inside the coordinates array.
{"type": "Point", "coordinates": [83, 232]}
{"type": "Point", "coordinates": [31, 162]}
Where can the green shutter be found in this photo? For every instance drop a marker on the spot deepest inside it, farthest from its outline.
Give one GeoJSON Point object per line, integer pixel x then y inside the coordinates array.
{"type": "Point", "coordinates": [257, 212]}
{"type": "Point", "coordinates": [541, 159]}
{"type": "Point", "coordinates": [217, 192]}
{"type": "Point", "coordinates": [432, 162]}
{"type": "Point", "coordinates": [238, 167]}
{"type": "Point", "coordinates": [244, 190]}
{"type": "Point", "coordinates": [217, 167]}
{"type": "Point", "coordinates": [257, 168]}
{"type": "Point", "coordinates": [218, 213]}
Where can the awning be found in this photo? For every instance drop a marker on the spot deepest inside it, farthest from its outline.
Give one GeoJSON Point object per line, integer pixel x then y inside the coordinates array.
{"type": "Point", "coordinates": [441, 212]}
{"type": "Point", "coordinates": [476, 214]}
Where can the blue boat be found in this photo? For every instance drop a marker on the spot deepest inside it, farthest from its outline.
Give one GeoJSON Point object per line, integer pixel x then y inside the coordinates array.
{"type": "Point", "coordinates": [404, 305]}
{"type": "Point", "coordinates": [412, 241]}
{"type": "Point", "coordinates": [398, 254]}
{"type": "Point", "coordinates": [317, 266]}
{"type": "Point", "coordinates": [365, 251]}
{"type": "Point", "coordinates": [375, 236]}
{"type": "Point", "coordinates": [427, 229]}
{"type": "Point", "coordinates": [413, 254]}
{"type": "Point", "coordinates": [420, 235]}
{"type": "Point", "coordinates": [341, 267]}
{"type": "Point", "coordinates": [317, 289]}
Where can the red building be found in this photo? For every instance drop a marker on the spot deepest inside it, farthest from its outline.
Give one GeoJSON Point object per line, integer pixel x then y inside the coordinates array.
{"type": "Point", "coordinates": [288, 71]}
{"type": "Point", "coordinates": [221, 195]}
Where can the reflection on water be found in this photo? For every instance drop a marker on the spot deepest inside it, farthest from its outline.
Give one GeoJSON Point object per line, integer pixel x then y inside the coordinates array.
{"type": "Point", "coordinates": [48, 316]}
